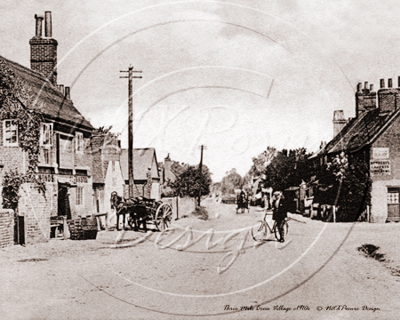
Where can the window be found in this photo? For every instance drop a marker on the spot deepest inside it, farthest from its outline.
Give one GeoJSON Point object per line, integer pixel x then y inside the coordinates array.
{"type": "Point", "coordinates": [46, 156]}
{"type": "Point", "coordinates": [79, 196]}
{"type": "Point", "coordinates": [10, 133]}
{"type": "Point", "coordinates": [46, 138]}
{"type": "Point", "coordinates": [79, 142]}
{"type": "Point", "coordinates": [392, 197]}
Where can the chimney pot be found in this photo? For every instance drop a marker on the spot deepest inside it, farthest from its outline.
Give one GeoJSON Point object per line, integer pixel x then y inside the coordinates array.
{"type": "Point", "coordinates": [38, 31]}
{"type": "Point", "coordinates": [61, 88]}
{"type": "Point", "coordinates": [67, 93]}
{"type": "Point", "coordinates": [371, 87]}
{"type": "Point", "coordinates": [382, 83]}
{"type": "Point", "coordinates": [47, 24]}
{"type": "Point", "coordinates": [389, 83]}
{"type": "Point", "coordinates": [359, 85]}
{"type": "Point", "coordinates": [366, 85]}
{"type": "Point", "coordinates": [398, 82]}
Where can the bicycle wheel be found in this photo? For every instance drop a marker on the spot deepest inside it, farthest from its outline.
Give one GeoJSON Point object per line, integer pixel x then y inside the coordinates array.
{"type": "Point", "coordinates": [259, 231]}
{"type": "Point", "coordinates": [285, 230]}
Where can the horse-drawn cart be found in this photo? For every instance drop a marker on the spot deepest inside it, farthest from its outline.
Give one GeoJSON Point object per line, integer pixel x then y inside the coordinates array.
{"type": "Point", "coordinates": [141, 210]}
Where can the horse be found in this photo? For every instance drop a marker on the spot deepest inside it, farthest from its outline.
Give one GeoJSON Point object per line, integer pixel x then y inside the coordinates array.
{"type": "Point", "coordinates": [137, 212]}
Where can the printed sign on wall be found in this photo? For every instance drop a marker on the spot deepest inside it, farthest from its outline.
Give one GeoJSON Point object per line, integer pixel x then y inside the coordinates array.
{"type": "Point", "coordinates": [380, 167]}
{"type": "Point", "coordinates": [380, 153]}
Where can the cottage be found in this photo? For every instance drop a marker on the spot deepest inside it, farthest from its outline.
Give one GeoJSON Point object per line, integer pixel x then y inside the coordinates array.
{"type": "Point", "coordinates": [145, 172]}
{"type": "Point", "coordinates": [373, 137]}
{"type": "Point", "coordinates": [65, 158]}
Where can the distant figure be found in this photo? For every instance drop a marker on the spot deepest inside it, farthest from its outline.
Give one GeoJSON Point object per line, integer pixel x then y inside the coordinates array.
{"type": "Point", "coordinates": [280, 210]}
{"type": "Point", "coordinates": [242, 201]}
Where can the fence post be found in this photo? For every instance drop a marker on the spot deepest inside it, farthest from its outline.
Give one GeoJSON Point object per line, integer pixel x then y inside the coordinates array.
{"type": "Point", "coordinates": [334, 213]}
{"type": "Point", "coordinates": [177, 208]}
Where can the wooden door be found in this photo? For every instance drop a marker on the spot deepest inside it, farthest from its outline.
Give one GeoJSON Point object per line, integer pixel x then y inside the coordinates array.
{"type": "Point", "coordinates": [393, 204]}
{"type": "Point", "coordinates": [63, 202]}
{"type": "Point", "coordinates": [19, 229]}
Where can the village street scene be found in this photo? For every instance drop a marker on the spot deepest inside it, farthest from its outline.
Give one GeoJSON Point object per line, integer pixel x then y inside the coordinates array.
{"type": "Point", "coordinates": [199, 159]}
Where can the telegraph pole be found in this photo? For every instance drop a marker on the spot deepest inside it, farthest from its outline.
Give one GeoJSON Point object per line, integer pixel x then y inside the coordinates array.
{"type": "Point", "coordinates": [202, 147]}
{"type": "Point", "coordinates": [130, 127]}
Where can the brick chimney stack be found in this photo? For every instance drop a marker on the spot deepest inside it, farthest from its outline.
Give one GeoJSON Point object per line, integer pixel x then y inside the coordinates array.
{"type": "Point", "coordinates": [388, 98]}
{"type": "Point", "coordinates": [365, 98]}
{"type": "Point", "coordinates": [44, 49]}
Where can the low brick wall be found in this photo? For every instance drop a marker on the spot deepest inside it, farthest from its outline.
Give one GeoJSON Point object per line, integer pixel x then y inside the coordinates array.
{"type": "Point", "coordinates": [6, 228]}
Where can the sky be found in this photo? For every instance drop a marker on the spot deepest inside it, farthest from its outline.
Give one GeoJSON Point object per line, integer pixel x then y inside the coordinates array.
{"type": "Point", "coordinates": [236, 76]}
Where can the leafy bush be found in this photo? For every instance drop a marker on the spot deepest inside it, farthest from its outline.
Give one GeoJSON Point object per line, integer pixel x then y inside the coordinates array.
{"type": "Point", "coordinates": [200, 212]}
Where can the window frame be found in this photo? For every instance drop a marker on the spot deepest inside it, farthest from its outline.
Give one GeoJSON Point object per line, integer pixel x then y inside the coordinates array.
{"type": "Point", "coordinates": [79, 142]}
{"type": "Point", "coordinates": [79, 196]}
{"type": "Point", "coordinates": [42, 134]}
{"type": "Point", "coordinates": [5, 143]}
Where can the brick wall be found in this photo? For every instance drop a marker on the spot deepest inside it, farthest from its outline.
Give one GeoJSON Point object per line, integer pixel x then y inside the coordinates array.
{"type": "Point", "coordinates": [6, 228]}
{"type": "Point", "coordinates": [380, 183]}
{"type": "Point", "coordinates": [37, 209]}
{"type": "Point", "coordinates": [44, 57]}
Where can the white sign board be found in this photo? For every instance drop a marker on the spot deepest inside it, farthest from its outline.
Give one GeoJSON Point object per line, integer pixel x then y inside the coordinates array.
{"type": "Point", "coordinates": [380, 153]}
{"type": "Point", "coordinates": [380, 167]}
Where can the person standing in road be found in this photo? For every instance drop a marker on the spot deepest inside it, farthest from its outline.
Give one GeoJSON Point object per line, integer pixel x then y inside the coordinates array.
{"type": "Point", "coordinates": [280, 211]}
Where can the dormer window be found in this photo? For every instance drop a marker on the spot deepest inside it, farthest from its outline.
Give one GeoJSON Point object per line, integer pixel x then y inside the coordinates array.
{"type": "Point", "coordinates": [46, 138]}
{"type": "Point", "coordinates": [10, 133]}
{"type": "Point", "coordinates": [79, 142]}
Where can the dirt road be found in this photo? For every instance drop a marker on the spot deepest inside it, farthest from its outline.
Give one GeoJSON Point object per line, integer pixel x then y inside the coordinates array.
{"type": "Point", "coordinates": [189, 273]}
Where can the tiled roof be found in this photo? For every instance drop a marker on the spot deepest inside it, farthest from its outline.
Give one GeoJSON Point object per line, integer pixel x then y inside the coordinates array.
{"type": "Point", "coordinates": [142, 160]}
{"type": "Point", "coordinates": [360, 132]}
{"type": "Point", "coordinates": [55, 105]}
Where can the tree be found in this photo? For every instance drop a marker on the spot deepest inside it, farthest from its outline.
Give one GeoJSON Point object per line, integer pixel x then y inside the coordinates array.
{"type": "Point", "coordinates": [231, 181]}
{"type": "Point", "coordinates": [353, 185]}
{"type": "Point", "coordinates": [261, 162]}
{"type": "Point", "coordinates": [191, 182]}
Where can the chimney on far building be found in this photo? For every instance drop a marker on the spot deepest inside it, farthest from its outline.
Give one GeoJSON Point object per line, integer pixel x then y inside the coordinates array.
{"type": "Point", "coordinates": [44, 50]}
{"type": "Point", "coordinates": [67, 93]}
{"type": "Point", "coordinates": [338, 122]}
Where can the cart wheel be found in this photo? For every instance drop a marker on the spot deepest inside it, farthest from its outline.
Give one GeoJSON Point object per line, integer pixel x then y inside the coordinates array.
{"type": "Point", "coordinates": [163, 216]}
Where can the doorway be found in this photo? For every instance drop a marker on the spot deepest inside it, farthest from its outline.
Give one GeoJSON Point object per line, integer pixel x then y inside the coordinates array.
{"type": "Point", "coordinates": [64, 208]}
{"type": "Point", "coordinates": [393, 196]}
{"type": "Point", "coordinates": [19, 229]}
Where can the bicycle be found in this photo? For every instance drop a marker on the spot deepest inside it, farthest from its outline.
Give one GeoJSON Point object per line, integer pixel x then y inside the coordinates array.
{"type": "Point", "coordinates": [261, 230]}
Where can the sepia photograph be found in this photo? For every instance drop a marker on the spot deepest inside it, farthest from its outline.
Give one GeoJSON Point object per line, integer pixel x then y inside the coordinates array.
{"type": "Point", "coordinates": [199, 159]}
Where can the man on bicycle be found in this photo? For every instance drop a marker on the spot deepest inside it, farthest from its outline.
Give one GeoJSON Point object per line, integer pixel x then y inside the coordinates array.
{"type": "Point", "coordinates": [280, 211]}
